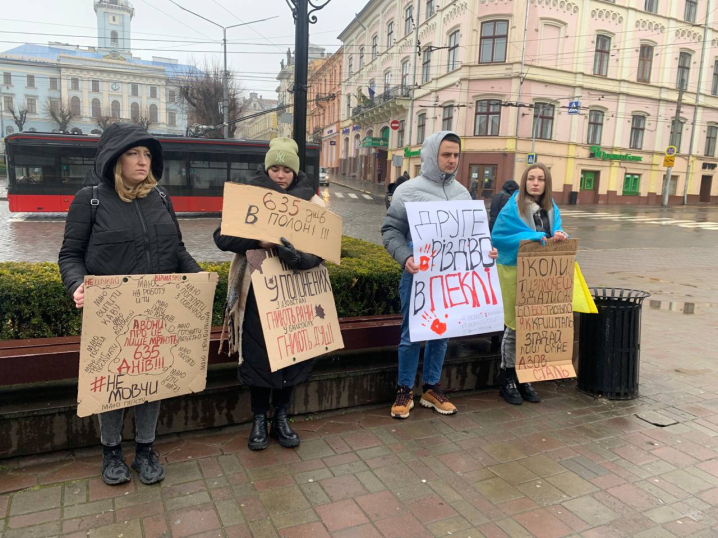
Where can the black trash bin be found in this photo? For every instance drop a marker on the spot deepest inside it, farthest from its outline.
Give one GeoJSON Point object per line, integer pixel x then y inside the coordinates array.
{"type": "Point", "coordinates": [610, 344]}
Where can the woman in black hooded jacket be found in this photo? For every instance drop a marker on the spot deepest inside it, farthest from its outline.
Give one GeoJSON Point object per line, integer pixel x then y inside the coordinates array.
{"type": "Point", "coordinates": [125, 225]}
{"type": "Point", "coordinates": [281, 174]}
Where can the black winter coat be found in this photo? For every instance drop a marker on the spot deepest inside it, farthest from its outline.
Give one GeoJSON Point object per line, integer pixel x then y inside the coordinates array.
{"type": "Point", "coordinates": [127, 238]}
{"type": "Point", "coordinates": [499, 201]}
{"type": "Point", "coordinates": [254, 370]}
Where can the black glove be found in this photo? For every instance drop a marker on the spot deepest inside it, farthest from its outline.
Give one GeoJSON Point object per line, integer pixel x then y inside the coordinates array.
{"type": "Point", "coordinates": [295, 259]}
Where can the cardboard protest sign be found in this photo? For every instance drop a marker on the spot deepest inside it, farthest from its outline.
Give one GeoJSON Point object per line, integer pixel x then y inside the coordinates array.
{"type": "Point", "coordinates": [456, 291]}
{"type": "Point", "coordinates": [265, 215]}
{"type": "Point", "coordinates": [144, 338]}
{"type": "Point", "coordinates": [297, 310]}
{"type": "Point", "coordinates": [544, 310]}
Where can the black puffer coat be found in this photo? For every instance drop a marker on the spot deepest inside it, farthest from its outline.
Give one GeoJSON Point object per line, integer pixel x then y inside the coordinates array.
{"type": "Point", "coordinates": [254, 370]}
{"type": "Point", "coordinates": [127, 238]}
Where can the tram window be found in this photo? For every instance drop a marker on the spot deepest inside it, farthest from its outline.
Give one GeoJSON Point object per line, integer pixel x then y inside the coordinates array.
{"type": "Point", "coordinates": [175, 172]}
{"type": "Point", "coordinates": [76, 170]}
{"type": "Point", "coordinates": [208, 174]}
{"type": "Point", "coordinates": [242, 168]}
{"type": "Point", "coordinates": [34, 166]}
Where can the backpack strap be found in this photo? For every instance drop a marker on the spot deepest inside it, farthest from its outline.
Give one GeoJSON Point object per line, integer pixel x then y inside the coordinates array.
{"type": "Point", "coordinates": [94, 202]}
{"type": "Point", "coordinates": [163, 196]}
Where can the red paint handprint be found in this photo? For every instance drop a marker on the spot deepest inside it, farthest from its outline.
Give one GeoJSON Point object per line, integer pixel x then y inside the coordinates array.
{"type": "Point", "coordinates": [426, 256]}
{"type": "Point", "coordinates": [436, 324]}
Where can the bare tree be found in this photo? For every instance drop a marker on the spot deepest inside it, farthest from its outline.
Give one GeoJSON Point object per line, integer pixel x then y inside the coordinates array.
{"type": "Point", "coordinates": [201, 91]}
{"type": "Point", "coordinates": [143, 118]}
{"type": "Point", "coordinates": [19, 117]}
{"type": "Point", "coordinates": [61, 113]}
{"type": "Point", "coordinates": [105, 119]}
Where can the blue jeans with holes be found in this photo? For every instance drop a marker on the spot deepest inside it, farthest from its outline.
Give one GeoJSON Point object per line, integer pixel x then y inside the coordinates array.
{"type": "Point", "coordinates": [434, 352]}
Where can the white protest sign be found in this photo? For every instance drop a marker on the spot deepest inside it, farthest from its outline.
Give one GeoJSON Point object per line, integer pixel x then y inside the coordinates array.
{"type": "Point", "coordinates": [456, 291]}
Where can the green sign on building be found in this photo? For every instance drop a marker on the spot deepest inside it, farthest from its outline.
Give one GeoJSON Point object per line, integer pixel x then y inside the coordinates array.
{"type": "Point", "coordinates": [374, 142]}
{"type": "Point", "coordinates": [598, 153]}
{"type": "Point", "coordinates": [408, 154]}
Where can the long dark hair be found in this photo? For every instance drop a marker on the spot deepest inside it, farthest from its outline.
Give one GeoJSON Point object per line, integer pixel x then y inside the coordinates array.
{"type": "Point", "coordinates": [546, 199]}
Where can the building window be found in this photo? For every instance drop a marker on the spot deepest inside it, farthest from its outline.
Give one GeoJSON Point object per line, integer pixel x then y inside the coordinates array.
{"type": "Point", "coordinates": [429, 8]}
{"type": "Point", "coordinates": [453, 62]}
{"type": "Point", "coordinates": [404, 76]}
{"type": "Point", "coordinates": [631, 185]}
{"type": "Point", "coordinates": [389, 34]}
{"type": "Point", "coordinates": [134, 90]}
{"type": "Point", "coordinates": [711, 136]}
{"type": "Point", "coordinates": [676, 134]}
{"type": "Point", "coordinates": [374, 46]}
{"type": "Point", "coordinates": [690, 12]}
{"type": "Point", "coordinates": [7, 79]}
{"type": "Point", "coordinates": [408, 18]}
{"type": "Point", "coordinates": [76, 106]}
{"type": "Point", "coordinates": [351, 65]}
{"type": "Point", "coordinates": [75, 84]}
{"type": "Point", "coordinates": [54, 105]}
{"type": "Point", "coordinates": [154, 116]}
{"type": "Point", "coordinates": [645, 63]}
{"type": "Point", "coordinates": [543, 121]}
{"type": "Point", "coordinates": [400, 135]}
{"type": "Point", "coordinates": [684, 70]}
{"type": "Point", "coordinates": [31, 81]}
{"type": "Point", "coordinates": [53, 84]}
{"type": "Point", "coordinates": [638, 126]}
{"type": "Point", "coordinates": [172, 96]}
{"type": "Point", "coordinates": [421, 129]}
{"type": "Point", "coordinates": [426, 65]}
{"type": "Point", "coordinates": [361, 58]}
{"type": "Point", "coordinates": [372, 89]}
{"type": "Point", "coordinates": [602, 54]}
{"type": "Point", "coordinates": [96, 108]}
{"type": "Point", "coordinates": [171, 118]}
{"type": "Point", "coordinates": [714, 86]}
{"type": "Point", "coordinates": [387, 83]}
{"type": "Point", "coordinates": [95, 86]}
{"type": "Point", "coordinates": [494, 36]}
{"type": "Point", "coordinates": [7, 103]}
{"type": "Point", "coordinates": [488, 117]}
{"type": "Point", "coordinates": [114, 38]}
{"type": "Point", "coordinates": [651, 6]}
{"type": "Point", "coordinates": [595, 127]}
{"type": "Point", "coordinates": [135, 112]}
{"type": "Point", "coordinates": [447, 118]}
{"type": "Point", "coordinates": [153, 92]}
{"type": "Point", "coordinates": [9, 130]}
{"type": "Point", "coordinates": [31, 105]}
{"type": "Point", "coordinates": [115, 109]}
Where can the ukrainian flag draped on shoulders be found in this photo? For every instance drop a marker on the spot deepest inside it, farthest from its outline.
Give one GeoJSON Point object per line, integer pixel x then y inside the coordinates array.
{"type": "Point", "coordinates": [510, 229]}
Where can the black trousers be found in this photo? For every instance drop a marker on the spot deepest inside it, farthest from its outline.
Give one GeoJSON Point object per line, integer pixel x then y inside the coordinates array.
{"type": "Point", "coordinates": [259, 398]}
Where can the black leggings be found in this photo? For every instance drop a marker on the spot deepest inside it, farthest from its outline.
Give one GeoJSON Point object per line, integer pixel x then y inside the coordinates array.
{"type": "Point", "coordinates": [259, 397]}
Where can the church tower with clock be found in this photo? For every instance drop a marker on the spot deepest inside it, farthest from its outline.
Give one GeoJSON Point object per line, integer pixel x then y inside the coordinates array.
{"type": "Point", "coordinates": [114, 19]}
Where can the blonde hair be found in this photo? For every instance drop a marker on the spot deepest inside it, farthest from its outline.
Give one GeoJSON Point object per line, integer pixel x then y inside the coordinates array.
{"type": "Point", "coordinates": [546, 199]}
{"type": "Point", "coordinates": [128, 194]}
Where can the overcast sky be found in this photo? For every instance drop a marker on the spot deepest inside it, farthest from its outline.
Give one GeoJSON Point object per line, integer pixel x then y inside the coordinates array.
{"type": "Point", "coordinates": [254, 54]}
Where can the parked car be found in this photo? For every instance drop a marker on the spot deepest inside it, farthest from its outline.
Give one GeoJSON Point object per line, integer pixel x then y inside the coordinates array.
{"type": "Point", "coordinates": [323, 177]}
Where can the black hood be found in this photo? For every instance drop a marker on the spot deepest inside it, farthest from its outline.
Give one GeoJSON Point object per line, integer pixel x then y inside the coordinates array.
{"type": "Point", "coordinates": [118, 138]}
{"type": "Point", "coordinates": [510, 187]}
{"type": "Point", "coordinates": [300, 186]}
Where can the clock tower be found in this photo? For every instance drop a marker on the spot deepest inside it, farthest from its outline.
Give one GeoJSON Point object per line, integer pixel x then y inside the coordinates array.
{"type": "Point", "coordinates": [114, 19]}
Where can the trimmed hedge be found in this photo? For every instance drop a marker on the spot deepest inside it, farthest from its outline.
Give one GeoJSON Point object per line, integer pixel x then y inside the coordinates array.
{"type": "Point", "coordinates": [33, 302]}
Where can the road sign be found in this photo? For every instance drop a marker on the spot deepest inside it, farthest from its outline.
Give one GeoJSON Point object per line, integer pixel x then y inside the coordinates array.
{"type": "Point", "coordinates": [394, 125]}
{"type": "Point", "coordinates": [669, 160]}
{"type": "Point", "coordinates": [670, 151]}
{"type": "Point", "coordinates": [531, 158]}
{"type": "Point", "coordinates": [574, 107]}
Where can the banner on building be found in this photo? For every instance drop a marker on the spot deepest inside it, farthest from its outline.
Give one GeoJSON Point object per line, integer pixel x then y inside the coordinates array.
{"type": "Point", "coordinates": [544, 310]}
{"type": "Point", "coordinates": [297, 310]}
{"type": "Point", "coordinates": [266, 215]}
{"type": "Point", "coordinates": [144, 338]}
{"type": "Point", "coordinates": [456, 291]}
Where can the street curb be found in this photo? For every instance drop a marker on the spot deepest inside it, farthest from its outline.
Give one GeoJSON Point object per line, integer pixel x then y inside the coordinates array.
{"type": "Point", "coordinates": [353, 188]}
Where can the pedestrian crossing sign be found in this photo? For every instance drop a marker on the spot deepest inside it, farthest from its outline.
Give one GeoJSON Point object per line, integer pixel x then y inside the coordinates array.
{"type": "Point", "coordinates": [531, 158]}
{"type": "Point", "coordinates": [573, 107]}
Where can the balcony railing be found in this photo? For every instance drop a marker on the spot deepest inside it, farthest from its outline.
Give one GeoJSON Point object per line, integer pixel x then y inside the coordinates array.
{"type": "Point", "coordinates": [397, 92]}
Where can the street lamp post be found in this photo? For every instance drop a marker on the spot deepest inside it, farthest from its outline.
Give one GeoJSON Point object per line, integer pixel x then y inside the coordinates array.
{"type": "Point", "coordinates": [303, 17]}
{"type": "Point", "coordinates": [225, 77]}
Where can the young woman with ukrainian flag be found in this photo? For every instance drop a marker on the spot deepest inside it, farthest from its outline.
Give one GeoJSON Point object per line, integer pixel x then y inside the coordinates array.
{"type": "Point", "coordinates": [529, 215]}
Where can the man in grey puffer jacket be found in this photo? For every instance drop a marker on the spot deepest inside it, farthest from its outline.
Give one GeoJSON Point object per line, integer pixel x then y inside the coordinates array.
{"type": "Point", "coordinates": [437, 182]}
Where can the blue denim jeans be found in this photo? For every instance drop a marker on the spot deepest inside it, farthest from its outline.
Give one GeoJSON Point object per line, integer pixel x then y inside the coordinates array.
{"type": "Point", "coordinates": [434, 352]}
{"type": "Point", "coordinates": [146, 416]}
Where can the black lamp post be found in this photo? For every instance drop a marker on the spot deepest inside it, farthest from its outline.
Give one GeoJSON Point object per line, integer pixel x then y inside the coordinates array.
{"type": "Point", "coordinates": [303, 17]}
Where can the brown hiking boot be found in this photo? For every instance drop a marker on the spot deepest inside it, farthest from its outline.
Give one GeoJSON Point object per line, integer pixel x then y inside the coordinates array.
{"type": "Point", "coordinates": [433, 397]}
{"type": "Point", "coordinates": [403, 404]}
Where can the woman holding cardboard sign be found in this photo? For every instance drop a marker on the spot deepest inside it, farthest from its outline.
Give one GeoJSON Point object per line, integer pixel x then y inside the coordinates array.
{"type": "Point", "coordinates": [124, 225]}
{"type": "Point", "coordinates": [281, 174]}
{"type": "Point", "coordinates": [529, 215]}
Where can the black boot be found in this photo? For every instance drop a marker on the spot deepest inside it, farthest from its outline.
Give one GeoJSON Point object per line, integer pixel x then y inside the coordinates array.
{"type": "Point", "coordinates": [282, 431]}
{"type": "Point", "coordinates": [508, 390]}
{"type": "Point", "coordinates": [528, 393]}
{"type": "Point", "coordinates": [258, 439]}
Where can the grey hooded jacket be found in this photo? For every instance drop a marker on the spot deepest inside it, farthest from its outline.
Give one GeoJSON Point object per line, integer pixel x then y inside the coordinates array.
{"type": "Point", "coordinates": [430, 186]}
